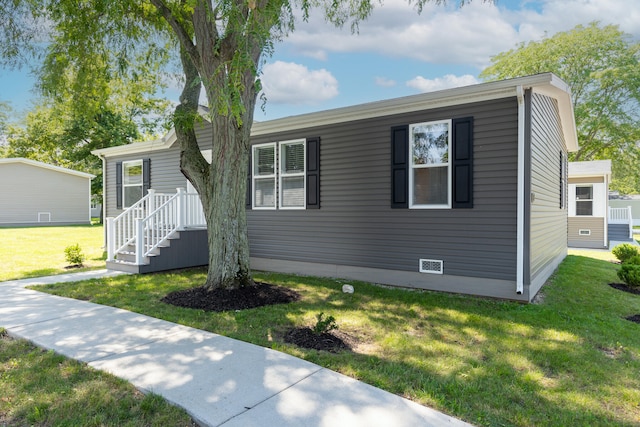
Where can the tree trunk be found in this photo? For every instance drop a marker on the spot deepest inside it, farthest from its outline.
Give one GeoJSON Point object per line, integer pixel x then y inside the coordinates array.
{"type": "Point", "coordinates": [222, 184]}
{"type": "Point", "coordinates": [224, 204]}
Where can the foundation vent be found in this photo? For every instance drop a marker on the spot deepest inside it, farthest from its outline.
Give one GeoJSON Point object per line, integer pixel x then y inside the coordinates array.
{"type": "Point", "coordinates": [434, 266]}
{"type": "Point", "coordinates": [584, 232]}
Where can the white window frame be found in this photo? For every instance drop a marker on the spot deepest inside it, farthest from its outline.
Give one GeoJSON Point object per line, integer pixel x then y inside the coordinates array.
{"type": "Point", "coordinates": [273, 176]}
{"type": "Point", "coordinates": [412, 167]}
{"type": "Point", "coordinates": [126, 164]}
{"type": "Point", "coordinates": [282, 174]}
{"type": "Point", "coordinates": [575, 195]}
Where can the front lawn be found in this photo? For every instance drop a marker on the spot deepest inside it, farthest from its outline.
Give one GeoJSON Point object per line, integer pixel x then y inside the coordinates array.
{"type": "Point", "coordinates": [39, 251]}
{"type": "Point", "coordinates": [571, 359]}
{"type": "Point", "coordinates": [41, 388]}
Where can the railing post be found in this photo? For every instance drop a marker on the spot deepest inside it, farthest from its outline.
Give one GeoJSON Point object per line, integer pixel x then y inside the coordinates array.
{"type": "Point", "coordinates": [182, 209]}
{"type": "Point", "coordinates": [139, 241]}
{"type": "Point", "coordinates": [629, 213]}
{"type": "Point", "coordinates": [151, 202]}
{"type": "Point", "coordinates": [111, 239]}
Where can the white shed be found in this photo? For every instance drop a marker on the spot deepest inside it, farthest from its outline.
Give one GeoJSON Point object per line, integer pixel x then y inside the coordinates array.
{"type": "Point", "coordinates": [36, 193]}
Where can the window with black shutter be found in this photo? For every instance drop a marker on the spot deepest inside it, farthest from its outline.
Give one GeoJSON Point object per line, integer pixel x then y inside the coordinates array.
{"type": "Point", "coordinates": [432, 165]}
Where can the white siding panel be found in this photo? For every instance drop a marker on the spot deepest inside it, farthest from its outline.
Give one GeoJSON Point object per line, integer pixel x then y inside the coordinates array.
{"type": "Point", "coordinates": [26, 190]}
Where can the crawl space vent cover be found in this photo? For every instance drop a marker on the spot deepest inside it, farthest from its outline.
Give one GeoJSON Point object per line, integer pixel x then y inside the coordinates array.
{"type": "Point", "coordinates": [431, 266]}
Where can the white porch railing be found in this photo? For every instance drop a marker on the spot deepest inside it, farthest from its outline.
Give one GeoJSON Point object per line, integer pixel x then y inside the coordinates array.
{"type": "Point", "coordinates": [151, 221]}
{"type": "Point", "coordinates": [622, 216]}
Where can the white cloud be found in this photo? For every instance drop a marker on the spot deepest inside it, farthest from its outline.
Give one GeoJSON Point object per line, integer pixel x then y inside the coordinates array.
{"type": "Point", "coordinates": [469, 35]}
{"type": "Point", "coordinates": [290, 83]}
{"type": "Point", "coordinates": [385, 82]}
{"type": "Point", "coordinates": [446, 82]}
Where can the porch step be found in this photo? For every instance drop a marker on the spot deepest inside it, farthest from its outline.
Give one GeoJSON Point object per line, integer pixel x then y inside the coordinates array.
{"type": "Point", "coordinates": [186, 249]}
{"type": "Point", "coordinates": [619, 232]}
{"type": "Point", "coordinates": [127, 267]}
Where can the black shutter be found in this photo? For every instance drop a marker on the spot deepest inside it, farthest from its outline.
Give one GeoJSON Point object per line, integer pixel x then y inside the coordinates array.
{"type": "Point", "coordinates": [248, 204]}
{"type": "Point", "coordinates": [146, 176]}
{"type": "Point", "coordinates": [400, 167]}
{"type": "Point", "coordinates": [313, 173]}
{"type": "Point", "coordinates": [463, 163]}
{"type": "Point", "coordinates": [118, 185]}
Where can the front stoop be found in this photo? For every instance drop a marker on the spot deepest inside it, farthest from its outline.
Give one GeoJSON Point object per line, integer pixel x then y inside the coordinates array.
{"type": "Point", "coordinates": [186, 249]}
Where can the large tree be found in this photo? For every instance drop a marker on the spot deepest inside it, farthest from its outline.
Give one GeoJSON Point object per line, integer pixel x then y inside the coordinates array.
{"type": "Point", "coordinates": [601, 64]}
{"type": "Point", "coordinates": [220, 44]}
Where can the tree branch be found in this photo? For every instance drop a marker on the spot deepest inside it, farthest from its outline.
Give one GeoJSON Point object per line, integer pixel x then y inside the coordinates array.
{"type": "Point", "coordinates": [179, 30]}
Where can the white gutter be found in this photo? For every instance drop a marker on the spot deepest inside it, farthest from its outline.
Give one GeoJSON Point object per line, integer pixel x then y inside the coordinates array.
{"type": "Point", "coordinates": [104, 194]}
{"type": "Point", "coordinates": [521, 195]}
{"type": "Point", "coordinates": [606, 212]}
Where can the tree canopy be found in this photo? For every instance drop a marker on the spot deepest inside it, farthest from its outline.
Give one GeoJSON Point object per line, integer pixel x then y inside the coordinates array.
{"type": "Point", "coordinates": [220, 45]}
{"type": "Point", "coordinates": [601, 64]}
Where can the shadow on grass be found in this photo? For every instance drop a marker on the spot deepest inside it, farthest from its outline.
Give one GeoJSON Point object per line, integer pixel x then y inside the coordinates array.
{"type": "Point", "coordinates": [570, 360]}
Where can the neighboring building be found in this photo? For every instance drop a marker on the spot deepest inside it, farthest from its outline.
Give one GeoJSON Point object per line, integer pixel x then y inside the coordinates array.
{"type": "Point", "coordinates": [462, 190]}
{"type": "Point", "coordinates": [589, 204]}
{"type": "Point", "coordinates": [633, 201]}
{"type": "Point", "coordinates": [35, 193]}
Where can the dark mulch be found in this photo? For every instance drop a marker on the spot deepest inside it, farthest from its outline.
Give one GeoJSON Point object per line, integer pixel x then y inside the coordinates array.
{"type": "Point", "coordinates": [624, 287]}
{"type": "Point", "coordinates": [306, 338]}
{"type": "Point", "coordinates": [232, 299]}
{"type": "Point", "coordinates": [635, 318]}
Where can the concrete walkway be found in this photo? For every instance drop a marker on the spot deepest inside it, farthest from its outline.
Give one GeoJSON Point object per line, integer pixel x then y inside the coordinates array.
{"type": "Point", "coordinates": [218, 380]}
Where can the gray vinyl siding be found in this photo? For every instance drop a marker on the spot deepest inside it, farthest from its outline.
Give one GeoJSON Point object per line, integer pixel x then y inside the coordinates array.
{"type": "Point", "coordinates": [26, 190]}
{"type": "Point", "coordinates": [355, 225]}
{"type": "Point", "coordinates": [166, 176]}
{"type": "Point", "coordinates": [548, 222]}
{"type": "Point", "coordinates": [594, 224]}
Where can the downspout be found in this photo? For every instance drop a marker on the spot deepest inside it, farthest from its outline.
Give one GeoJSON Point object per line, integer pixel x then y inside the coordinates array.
{"type": "Point", "coordinates": [104, 201]}
{"type": "Point", "coordinates": [606, 212]}
{"type": "Point", "coordinates": [520, 201]}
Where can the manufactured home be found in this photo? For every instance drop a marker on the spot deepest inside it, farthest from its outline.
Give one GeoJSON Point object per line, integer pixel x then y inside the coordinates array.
{"type": "Point", "coordinates": [34, 193]}
{"type": "Point", "coordinates": [595, 222]}
{"type": "Point", "coordinates": [462, 190]}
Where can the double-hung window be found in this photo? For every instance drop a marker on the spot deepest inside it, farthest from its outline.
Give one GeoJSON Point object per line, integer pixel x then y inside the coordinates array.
{"type": "Point", "coordinates": [430, 171]}
{"type": "Point", "coordinates": [131, 182]}
{"type": "Point", "coordinates": [279, 175]}
{"type": "Point", "coordinates": [292, 175]}
{"type": "Point", "coordinates": [264, 176]}
{"type": "Point", "coordinates": [584, 200]}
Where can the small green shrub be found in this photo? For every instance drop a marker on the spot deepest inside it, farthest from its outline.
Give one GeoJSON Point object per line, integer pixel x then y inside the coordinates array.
{"type": "Point", "coordinates": [635, 260]}
{"type": "Point", "coordinates": [625, 251]}
{"type": "Point", "coordinates": [630, 274]}
{"type": "Point", "coordinates": [74, 255]}
{"type": "Point", "coordinates": [324, 324]}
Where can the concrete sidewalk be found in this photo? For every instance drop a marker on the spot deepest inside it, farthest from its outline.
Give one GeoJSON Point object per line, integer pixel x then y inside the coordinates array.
{"type": "Point", "coordinates": [218, 380]}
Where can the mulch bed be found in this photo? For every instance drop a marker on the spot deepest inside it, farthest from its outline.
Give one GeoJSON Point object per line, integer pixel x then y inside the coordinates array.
{"type": "Point", "coordinates": [306, 338]}
{"type": "Point", "coordinates": [625, 288]}
{"type": "Point", "coordinates": [635, 318]}
{"type": "Point", "coordinates": [262, 294]}
{"type": "Point", "coordinates": [232, 299]}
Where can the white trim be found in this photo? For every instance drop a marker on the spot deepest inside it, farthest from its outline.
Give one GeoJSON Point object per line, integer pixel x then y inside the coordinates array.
{"type": "Point", "coordinates": [302, 174]}
{"type": "Point", "coordinates": [521, 198]}
{"type": "Point", "coordinates": [141, 185]}
{"type": "Point", "coordinates": [547, 84]}
{"type": "Point", "coordinates": [46, 166]}
{"type": "Point", "coordinates": [440, 165]}
{"type": "Point", "coordinates": [274, 176]}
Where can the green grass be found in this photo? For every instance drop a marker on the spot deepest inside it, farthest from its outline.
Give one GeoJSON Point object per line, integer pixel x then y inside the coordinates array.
{"type": "Point", "coordinates": [39, 251]}
{"type": "Point", "coordinates": [572, 359]}
{"type": "Point", "coordinates": [41, 388]}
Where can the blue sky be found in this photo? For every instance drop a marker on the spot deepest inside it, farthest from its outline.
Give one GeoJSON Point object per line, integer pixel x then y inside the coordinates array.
{"type": "Point", "coordinates": [397, 52]}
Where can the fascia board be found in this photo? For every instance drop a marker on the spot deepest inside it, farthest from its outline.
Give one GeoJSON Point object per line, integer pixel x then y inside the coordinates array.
{"type": "Point", "coordinates": [137, 147]}
{"type": "Point", "coordinates": [559, 90]}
